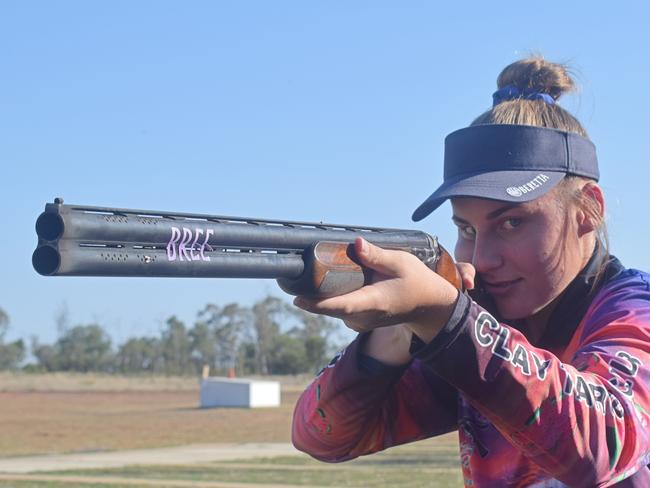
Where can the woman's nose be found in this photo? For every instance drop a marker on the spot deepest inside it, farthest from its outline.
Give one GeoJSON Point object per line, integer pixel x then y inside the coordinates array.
{"type": "Point", "coordinates": [487, 255]}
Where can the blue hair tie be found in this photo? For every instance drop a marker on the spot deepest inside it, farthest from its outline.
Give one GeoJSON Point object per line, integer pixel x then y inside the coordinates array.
{"type": "Point", "coordinates": [511, 92]}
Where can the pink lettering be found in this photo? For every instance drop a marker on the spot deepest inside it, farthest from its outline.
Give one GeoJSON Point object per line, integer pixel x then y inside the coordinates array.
{"type": "Point", "coordinates": [171, 245]}
{"type": "Point", "coordinates": [182, 250]}
{"type": "Point", "coordinates": [205, 244]}
{"type": "Point", "coordinates": [183, 245]}
{"type": "Point", "coordinates": [197, 233]}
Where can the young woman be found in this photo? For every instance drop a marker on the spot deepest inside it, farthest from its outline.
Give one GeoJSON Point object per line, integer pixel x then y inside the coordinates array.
{"type": "Point", "coordinates": [543, 366]}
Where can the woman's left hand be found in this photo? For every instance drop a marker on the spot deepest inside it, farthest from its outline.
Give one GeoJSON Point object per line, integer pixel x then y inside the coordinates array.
{"type": "Point", "coordinates": [403, 290]}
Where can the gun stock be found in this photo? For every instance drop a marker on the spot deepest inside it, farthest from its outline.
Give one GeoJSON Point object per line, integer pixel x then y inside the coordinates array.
{"type": "Point", "coordinates": [306, 258]}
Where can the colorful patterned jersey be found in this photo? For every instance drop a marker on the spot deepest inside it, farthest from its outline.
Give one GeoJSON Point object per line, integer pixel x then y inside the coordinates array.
{"type": "Point", "coordinates": [571, 410]}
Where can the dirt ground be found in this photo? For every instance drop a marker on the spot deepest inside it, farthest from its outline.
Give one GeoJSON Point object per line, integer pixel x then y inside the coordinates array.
{"type": "Point", "coordinates": [40, 422]}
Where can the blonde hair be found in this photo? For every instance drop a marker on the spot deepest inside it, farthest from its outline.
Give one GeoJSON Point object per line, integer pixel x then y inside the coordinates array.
{"type": "Point", "coordinates": [554, 79]}
{"type": "Point", "coordinates": [541, 76]}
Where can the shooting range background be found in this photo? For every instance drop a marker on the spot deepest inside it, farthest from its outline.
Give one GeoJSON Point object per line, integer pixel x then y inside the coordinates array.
{"type": "Point", "coordinates": [320, 111]}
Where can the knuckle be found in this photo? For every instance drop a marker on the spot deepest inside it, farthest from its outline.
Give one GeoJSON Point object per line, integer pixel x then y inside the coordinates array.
{"type": "Point", "coordinates": [351, 324]}
{"type": "Point", "coordinates": [374, 253]}
{"type": "Point", "coordinates": [407, 261]}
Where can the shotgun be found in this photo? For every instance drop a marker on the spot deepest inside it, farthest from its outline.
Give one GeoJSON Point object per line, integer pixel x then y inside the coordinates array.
{"type": "Point", "coordinates": [305, 258]}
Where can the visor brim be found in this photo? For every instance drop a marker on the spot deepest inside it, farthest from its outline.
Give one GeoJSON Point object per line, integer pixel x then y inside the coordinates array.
{"type": "Point", "coordinates": [506, 186]}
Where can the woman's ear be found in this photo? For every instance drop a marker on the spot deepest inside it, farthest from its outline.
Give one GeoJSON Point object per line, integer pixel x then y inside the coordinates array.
{"type": "Point", "coordinates": [592, 208]}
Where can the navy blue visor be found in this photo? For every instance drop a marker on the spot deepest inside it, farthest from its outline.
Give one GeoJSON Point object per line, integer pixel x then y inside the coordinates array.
{"type": "Point", "coordinates": [510, 163]}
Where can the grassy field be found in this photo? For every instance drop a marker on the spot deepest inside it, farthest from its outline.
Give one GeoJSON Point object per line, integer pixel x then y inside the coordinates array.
{"type": "Point", "coordinates": [424, 464]}
{"type": "Point", "coordinates": [77, 413]}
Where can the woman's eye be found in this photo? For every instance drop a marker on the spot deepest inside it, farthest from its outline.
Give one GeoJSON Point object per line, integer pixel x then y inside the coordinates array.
{"type": "Point", "coordinates": [511, 223]}
{"type": "Point", "coordinates": [466, 231]}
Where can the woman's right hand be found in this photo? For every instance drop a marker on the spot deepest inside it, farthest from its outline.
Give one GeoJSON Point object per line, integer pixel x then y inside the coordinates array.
{"type": "Point", "coordinates": [391, 344]}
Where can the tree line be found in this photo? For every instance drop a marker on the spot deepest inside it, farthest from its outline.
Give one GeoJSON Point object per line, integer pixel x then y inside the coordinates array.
{"type": "Point", "coordinates": [269, 337]}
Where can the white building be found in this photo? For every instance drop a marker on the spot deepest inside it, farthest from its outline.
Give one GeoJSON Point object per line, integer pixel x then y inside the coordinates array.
{"type": "Point", "coordinates": [238, 392]}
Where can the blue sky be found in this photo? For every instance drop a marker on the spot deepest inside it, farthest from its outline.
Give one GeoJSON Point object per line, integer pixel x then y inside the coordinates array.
{"type": "Point", "coordinates": [325, 111]}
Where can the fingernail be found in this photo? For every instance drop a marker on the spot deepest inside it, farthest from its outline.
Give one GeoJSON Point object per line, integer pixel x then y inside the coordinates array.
{"type": "Point", "coordinates": [364, 246]}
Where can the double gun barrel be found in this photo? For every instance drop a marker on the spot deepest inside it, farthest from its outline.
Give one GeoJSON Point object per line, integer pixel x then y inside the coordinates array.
{"type": "Point", "coordinates": [76, 240]}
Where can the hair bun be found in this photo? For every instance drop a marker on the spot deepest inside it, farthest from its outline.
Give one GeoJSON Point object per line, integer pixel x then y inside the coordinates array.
{"type": "Point", "coordinates": [538, 75]}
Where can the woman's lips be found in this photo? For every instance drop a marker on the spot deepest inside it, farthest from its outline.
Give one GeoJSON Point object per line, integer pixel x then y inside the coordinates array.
{"type": "Point", "coordinates": [500, 287]}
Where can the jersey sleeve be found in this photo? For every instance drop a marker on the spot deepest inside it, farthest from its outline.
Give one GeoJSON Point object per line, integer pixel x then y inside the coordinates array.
{"type": "Point", "coordinates": [581, 417]}
{"type": "Point", "coordinates": [357, 406]}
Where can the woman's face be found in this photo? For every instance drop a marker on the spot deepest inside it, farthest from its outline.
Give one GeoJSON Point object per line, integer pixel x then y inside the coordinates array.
{"type": "Point", "coordinates": [525, 254]}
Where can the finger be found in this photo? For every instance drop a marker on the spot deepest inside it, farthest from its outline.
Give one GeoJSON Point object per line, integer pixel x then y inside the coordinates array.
{"type": "Point", "coordinates": [305, 303]}
{"type": "Point", "coordinates": [356, 327]}
{"type": "Point", "coordinates": [312, 307]}
{"type": "Point", "coordinates": [361, 300]}
{"type": "Point", "coordinates": [468, 275]}
{"type": "Point", "coordinates": [386, 261]}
